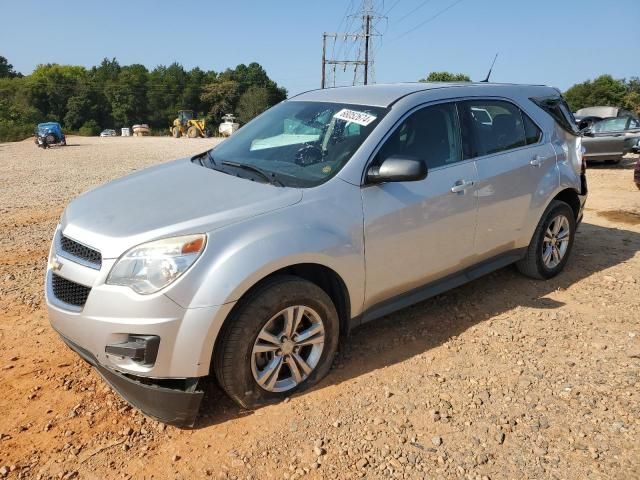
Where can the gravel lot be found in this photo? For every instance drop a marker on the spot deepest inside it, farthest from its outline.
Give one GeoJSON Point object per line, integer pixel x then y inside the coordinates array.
{"type": "Point", "coordinates": [504, 378]}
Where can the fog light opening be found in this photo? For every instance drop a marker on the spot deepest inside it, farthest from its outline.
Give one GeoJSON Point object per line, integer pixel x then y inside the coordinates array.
{"type": "Point", "coordinates": [141, 349]}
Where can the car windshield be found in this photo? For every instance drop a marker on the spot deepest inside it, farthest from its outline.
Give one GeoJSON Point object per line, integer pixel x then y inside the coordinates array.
{"type": "Point", "coordinates": [301, 144]}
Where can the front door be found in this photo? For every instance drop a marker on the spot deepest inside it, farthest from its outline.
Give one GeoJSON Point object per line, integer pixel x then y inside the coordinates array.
{"type": "Point", "coordinates": [418, 232]}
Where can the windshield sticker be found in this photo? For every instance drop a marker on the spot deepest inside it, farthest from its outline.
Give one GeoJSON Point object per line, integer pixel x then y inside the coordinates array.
{"type": "Point", "coordinates": [361, 118]}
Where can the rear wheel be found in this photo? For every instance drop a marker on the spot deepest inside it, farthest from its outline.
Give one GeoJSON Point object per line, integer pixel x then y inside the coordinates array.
{"type": "Point", "coordinates": [281, 340]}
{"type": "Point", "coordinates": [176, 132]}
{"type": "Point", "coordinates": [551, 244]}
{"type": "Point", "coordinates": [193, 132]}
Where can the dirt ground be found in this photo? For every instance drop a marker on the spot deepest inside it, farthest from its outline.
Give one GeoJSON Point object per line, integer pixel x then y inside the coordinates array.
{"type": "Point", "coordinates": [503, 378]}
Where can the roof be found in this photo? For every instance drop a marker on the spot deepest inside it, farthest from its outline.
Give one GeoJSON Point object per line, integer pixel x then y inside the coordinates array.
{"type": "Point", "coordinates": [382, 95]}
{"type": "Point", "coordinates": [598, 111]}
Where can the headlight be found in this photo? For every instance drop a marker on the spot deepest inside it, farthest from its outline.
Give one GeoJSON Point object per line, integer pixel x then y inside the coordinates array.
{"type": "Point", "coordinates": [152, 266]}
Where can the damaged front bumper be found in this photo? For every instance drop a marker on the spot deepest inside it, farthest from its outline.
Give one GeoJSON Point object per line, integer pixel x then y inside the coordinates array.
{"type": "Point", "coordinates": [175, 402]}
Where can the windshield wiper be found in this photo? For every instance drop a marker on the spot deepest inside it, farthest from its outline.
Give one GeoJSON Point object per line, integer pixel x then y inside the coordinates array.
{"type": "Point", "coordinates": [269, 177]}
{"type": "Point", "coordinates": [200, 158]}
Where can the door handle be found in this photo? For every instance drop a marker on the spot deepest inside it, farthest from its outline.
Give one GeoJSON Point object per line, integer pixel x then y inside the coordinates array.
{"type": "Point", "coordinates": [461, 186]}
{"type": "Point", "coordinates": [537, 161]}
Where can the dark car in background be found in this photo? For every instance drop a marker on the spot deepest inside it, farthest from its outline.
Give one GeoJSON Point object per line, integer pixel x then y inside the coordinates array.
{"type": "Point", "coordinates": [611, 138]}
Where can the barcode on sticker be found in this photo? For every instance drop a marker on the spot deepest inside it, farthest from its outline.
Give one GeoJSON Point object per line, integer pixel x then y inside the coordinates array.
{"type": "Point", "coordinates": [361, 118]}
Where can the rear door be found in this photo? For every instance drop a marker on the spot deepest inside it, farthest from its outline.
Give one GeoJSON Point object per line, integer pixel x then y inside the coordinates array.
{"type": "Point", "coordinates": [512, 163]}
{"type": "Point", "coordinates": [418, 232]}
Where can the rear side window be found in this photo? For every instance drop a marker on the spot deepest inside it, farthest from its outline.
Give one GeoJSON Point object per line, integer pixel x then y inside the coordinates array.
{"type": "Point", "coordinates": [490, 126]}
{"type": "Point", "coordinates": [558, 109]}
{"type": "Point", "coordinates": [430, 134]}
{"type": "Point", "coordinates": [531, 131]}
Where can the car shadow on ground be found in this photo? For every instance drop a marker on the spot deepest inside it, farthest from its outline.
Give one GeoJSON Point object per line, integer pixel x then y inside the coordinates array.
{"type": "Point", "coordinates": [426, 325]}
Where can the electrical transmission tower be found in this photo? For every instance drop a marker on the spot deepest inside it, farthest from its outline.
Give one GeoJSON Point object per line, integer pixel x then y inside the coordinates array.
{"type": "Point", "coordinates": [364, 55]}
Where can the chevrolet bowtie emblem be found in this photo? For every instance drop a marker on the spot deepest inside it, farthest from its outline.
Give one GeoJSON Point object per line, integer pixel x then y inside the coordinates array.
{"type": "Point", "coordinates": [56, 266]}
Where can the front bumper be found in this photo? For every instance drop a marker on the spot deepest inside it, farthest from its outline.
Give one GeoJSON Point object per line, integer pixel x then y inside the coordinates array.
{"type": "Point", "coordinates": [162, 385]}
{"type": "Point", "coordinates": [175, 406]}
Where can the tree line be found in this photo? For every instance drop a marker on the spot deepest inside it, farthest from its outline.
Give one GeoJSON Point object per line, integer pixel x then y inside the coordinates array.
{"type": "Point", "coordinates": [111, 95]}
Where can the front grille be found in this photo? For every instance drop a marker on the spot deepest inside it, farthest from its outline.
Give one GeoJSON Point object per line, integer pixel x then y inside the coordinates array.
{"type": "Point", "coordinates": [80, 251]}
{"type": "Point", "coordinates": [69, 292]}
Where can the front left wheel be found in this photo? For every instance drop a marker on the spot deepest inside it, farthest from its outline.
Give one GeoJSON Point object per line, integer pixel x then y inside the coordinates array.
{"type": "Point", "coordinates": [281, 339]}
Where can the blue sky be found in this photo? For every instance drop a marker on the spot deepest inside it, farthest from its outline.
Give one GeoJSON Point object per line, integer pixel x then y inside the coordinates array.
{"type": "Point", "coordinates": [541, 41]}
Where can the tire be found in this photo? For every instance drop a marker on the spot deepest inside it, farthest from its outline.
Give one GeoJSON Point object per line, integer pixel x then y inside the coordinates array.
{"type": "Point", "coordinates": [175, 132]}
{"type": "Point", "coordinates": [193, 132]}
{"type": "Point", "coordinates": [533, 264]}
{"type": "Point", "coordinates": [237, 367]}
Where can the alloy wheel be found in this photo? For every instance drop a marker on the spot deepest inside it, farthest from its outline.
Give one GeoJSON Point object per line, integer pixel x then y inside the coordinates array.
{"type": "Point", "coordinates": [556, 241]}
{"type": "Point", "coordinates": [288, 348]}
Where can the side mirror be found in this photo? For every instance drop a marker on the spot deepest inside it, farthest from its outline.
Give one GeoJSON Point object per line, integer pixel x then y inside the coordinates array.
{"type": "Point", "coordinates": [398, 169]}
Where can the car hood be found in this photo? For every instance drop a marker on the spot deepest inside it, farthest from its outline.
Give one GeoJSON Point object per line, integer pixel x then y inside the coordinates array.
{"type": "Point", "coordinates": [176, 198]}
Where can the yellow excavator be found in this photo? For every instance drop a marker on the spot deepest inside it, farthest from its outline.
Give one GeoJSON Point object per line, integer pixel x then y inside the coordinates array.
{"type": "Point", "coordinates": [187, 125]}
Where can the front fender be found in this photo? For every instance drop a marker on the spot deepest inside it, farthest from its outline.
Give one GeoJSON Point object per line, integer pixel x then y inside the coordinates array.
{"type": "Point", "coordinates": [321, 229]}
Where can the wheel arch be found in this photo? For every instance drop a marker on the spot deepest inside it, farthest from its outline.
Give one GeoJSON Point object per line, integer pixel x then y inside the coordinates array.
{"type": "Point", "coordinates": [324, 277]}
{"type": "Point", "coordinates": [570, 197]}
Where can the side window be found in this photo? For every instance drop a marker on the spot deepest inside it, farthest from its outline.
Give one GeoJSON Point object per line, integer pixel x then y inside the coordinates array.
{"type": "Point", "coordinates": [504, 130]}
{"type": "Point", "coordinates": [558, 109]}
{"type": "Point", "coordinates": [614, 124]}
{"type": "Point", "coordinates": [531, 131]}
{"type": "Point", "coordinates": [430, 134]}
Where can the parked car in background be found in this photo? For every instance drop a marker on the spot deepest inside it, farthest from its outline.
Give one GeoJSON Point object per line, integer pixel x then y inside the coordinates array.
{"type": "Point", "coordinates": [108, 133]}
{"type": "Point", "coordinates": [48, 134]}
{"type": "Point", "coordinates": [331, 209]}
{"type": "Point", "coordinates": [611, 138]}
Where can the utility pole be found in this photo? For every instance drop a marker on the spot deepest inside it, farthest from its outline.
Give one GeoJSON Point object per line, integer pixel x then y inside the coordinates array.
{"type": "Point", "coordinates": [367, 34]}
{"type": "Point", "coordinates": [330, 61]}
{"type": "Point", "coordinates": [324, 59]}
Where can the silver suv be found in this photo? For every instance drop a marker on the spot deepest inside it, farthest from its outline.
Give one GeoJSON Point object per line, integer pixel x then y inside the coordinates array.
{"type": "Point", "coordinates": [250, 261]}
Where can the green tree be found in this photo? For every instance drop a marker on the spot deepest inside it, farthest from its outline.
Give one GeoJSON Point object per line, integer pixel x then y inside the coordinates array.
{"type": "Point", "coordinates": [446, 77]}
{"type": "Point", "coordinates": [220, 96]}
{"type": "Point", "coordinates": [51, 86]}
{"type": "Point", "coordinates": [111, 95]}
{"type": "Point", "coordinates": [604, 90]}
{"type": "Point", "coordinates": [89, 129]}
{"type": "Point", "coordinates": [127, 95]}
{"type": "Point", "coordinates": [6, 69]}
{"type": "Point", "coordinates": [252, 103]}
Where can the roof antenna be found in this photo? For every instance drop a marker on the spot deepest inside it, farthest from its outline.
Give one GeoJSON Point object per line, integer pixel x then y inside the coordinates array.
{"type": "Point", "coordinates": [486, 80]}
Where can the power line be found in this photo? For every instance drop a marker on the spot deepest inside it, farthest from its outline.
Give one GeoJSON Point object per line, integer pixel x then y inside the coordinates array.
{"type": "Point", "coordinates": [413, 11]}
{"type": "Point", "coordinates": [392, 7]}
{"type": "Point", "coordinates": [433, 17]}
